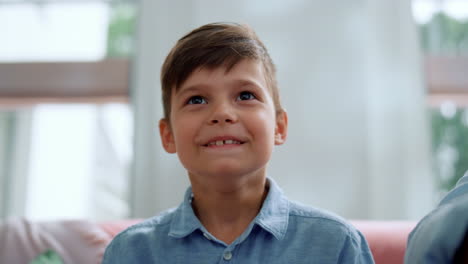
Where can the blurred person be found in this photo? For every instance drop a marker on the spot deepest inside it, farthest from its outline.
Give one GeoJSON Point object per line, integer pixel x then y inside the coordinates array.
{"type": "Point", "coordinates": [441, 236]}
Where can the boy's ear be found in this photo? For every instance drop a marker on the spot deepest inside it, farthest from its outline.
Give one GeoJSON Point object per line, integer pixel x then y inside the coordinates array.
{"type": "Point", "coordinates": [281, 129]}
{"type": "Point", "coordinates": [167, 138]}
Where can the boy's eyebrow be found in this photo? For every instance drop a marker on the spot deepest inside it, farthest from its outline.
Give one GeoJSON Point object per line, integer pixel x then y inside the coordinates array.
{"type": "Point", "coordinates": [245, 82]}
{"type": "Point", "coordinates": [192, 88]}
{"type": "Point", "coordinates": [198, 87]}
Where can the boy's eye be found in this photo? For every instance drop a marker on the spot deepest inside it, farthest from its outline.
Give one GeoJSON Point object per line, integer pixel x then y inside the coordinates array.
{"type": "Point", "coordinates": [243, 96]}
{"type": "Point", "coordinates": [196, 100]}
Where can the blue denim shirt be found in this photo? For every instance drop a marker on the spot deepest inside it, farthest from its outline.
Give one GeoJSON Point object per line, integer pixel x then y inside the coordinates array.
{"type": "Point", "coordinates": [283, 232]}
{"type": "Point", "coordinates": [439, 234]}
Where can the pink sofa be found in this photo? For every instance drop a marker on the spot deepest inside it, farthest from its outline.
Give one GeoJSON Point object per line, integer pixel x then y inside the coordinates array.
{"type": "Point", "coordinates": [80, 241]}
{"type": "Point", "coordinates": [387, 239]}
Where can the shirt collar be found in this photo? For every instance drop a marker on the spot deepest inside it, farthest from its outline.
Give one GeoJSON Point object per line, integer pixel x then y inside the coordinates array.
{"type": "Point", "coordinates": [273, 216]}
{"type": "Point", "coordinates": [184, 221]}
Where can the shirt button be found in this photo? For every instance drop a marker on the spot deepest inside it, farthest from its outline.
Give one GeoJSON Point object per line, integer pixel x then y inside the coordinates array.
{"type": "Point", "coordinates": [227, 255]}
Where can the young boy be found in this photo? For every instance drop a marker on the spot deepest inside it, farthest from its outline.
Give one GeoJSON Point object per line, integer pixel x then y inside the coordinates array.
{"type": "Point", "coordinates": [222, 116]}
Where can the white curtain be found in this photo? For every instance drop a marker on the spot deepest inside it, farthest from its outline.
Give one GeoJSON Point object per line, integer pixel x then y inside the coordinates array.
{"type": "Point", "coordinates": [15, 127]}
{"type": "Point", "coordinates": [351, 81]}
{"type": "Point", "coordinates": [401, 184]}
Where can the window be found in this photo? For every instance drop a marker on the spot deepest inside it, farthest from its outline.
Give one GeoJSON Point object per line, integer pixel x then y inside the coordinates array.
{"type": "Point", "coordinates": [64, 108]}
{"type": "Point", "coordinates": [443, 27]}
{"type": "Point", "coordinates": [79, 161]}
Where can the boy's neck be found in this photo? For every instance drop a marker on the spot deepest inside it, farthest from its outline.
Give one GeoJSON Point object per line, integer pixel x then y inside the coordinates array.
{"type": "Point", "coordinates": [227, 213]}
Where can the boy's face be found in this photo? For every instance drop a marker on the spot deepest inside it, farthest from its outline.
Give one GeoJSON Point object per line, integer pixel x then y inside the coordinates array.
{"type": "Point", "coordinates": [224, 124]}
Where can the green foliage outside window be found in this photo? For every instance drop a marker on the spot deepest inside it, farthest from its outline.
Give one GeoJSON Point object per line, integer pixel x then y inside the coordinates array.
{"type": "Point", "coordinates": [120, 35]}
{"type": "Point", "coordinates": [444, 35]}
{"type": "Point", "coordinates": [450, 146]}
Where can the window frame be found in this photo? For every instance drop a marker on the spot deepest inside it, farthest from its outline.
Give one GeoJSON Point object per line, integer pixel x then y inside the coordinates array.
{"type": "Point", "coordinates": [108, 81]}
{"type": "Point", "coordinates": [446, 79]}
{"type": "Point", "coordinates": [61, 82]}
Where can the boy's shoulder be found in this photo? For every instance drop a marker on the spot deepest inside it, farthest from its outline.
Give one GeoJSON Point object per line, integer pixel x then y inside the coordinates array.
{"type": "Point", "coordinates": [326, 232]}
{"type": "Point", "coordinates": [297, 209]}
{"type": "Point", "coordinates": [136, 241]}
{"type": "Point", "coordinates": [295, 219]}
{"type": "Point", "coordinates": [151, 225]}
{"type": "Point", "coordinates": [314, 217]}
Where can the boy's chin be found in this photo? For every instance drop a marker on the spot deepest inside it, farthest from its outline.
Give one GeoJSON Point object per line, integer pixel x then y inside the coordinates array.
{"type": "Point", "coordinates": [228, 176]}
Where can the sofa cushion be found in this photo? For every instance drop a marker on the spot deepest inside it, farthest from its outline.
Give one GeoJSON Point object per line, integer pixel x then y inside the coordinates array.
{"type": "Point", "coordinates": [76, 241]}
{"type": "Point", "coordinates": [387, 239]}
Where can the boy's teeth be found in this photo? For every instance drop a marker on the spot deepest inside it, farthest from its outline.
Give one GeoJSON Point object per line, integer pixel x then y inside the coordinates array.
{"type": "Point", "coordinates": [221, 142]}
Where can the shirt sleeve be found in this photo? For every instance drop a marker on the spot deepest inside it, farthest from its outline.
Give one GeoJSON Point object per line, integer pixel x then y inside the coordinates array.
{"type": "Point", "coordinates": [356, 250]}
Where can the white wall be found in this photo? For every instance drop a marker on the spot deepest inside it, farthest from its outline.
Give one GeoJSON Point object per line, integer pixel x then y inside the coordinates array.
{"type": "Point", "coordinates": [324, 51]}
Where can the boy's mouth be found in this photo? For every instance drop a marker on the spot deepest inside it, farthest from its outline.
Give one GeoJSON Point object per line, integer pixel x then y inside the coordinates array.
{"type": "Point", "coordinates": [217, 142]}
{"type": "Point", "coordinates": [223, 142]}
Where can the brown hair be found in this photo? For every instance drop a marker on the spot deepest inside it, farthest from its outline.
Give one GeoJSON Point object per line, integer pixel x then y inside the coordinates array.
{"type": "Point", "coordinates": [214, 45]}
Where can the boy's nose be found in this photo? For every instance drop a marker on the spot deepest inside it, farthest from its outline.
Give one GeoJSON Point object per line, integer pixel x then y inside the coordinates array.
{"type": "Point", "coordinates": [227, 120]}
{"type": "Point", "coordinates": [223, 114]}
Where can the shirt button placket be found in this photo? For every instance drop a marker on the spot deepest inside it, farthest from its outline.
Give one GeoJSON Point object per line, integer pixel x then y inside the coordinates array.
{"type": "Point", "coordinates": [227, 255]}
